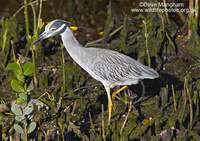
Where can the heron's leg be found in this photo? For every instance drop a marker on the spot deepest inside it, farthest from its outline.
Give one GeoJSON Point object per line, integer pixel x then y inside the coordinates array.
{"type": "Point", "coordinates": [109, 102]}
{"type": "Point", "coordinates": [114, 95]}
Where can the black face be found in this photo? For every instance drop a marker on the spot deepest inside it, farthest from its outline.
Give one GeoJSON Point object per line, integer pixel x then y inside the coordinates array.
{"type": "Point", "coordinates": [57, 24]}
{"type": "Point", "coordinates": [53, 28]}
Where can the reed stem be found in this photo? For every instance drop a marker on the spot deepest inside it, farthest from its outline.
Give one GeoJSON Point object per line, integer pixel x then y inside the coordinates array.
{"type": "Point", "coordinates": [103, 124]}
{"type": "Point", "coordinates": [34, 73]}
{"type": "Point", "coordinates": [190, 103]}
{"type": "Point", "coordinates": [174, 98]}
{"type": "Point", "coordinates": [34, 18]}
{"type": "Point", "coordinates": [26, 20]}
{"type": "Point", "coordinates": [63, 68]}
{"type": "Point", "coordinates": [146, 41]}
{"type": "Point", "coordinates": [13, 51]}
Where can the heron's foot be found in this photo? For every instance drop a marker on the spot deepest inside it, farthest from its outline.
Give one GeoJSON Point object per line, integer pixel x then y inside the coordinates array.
{"type": "Point", "coordinates": [114, 95]}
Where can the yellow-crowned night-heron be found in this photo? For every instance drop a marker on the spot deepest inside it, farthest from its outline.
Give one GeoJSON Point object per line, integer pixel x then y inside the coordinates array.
{"type": "Point", "coordinates": [109, 67]}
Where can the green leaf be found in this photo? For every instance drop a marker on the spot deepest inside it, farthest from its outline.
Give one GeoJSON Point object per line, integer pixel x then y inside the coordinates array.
{"type": "Point", "coordinates": [23, 104]}
{"type": "Point", "coordinates": [20, 77]}
{"type": "Point", "coordinates": [19, 118]}
{"type": "Point", "coordinates": [18, 101]}
{"type": "Point", "coordinates": [40, 23]}
{"type": "Point", "coordinates": [18, 128]}
{"type": "Point", "coordinates": [28, 109]}
{"type": "Point", "coordinates": [141, 16]}
{"type": "Point", "coordinates": [28, 68]}
{"type": "Point", "coordinates": [14, 67]}
{"type": "Point", "coordinates": [48, 131]}
{"type": "Point", "coordinates": [17, 86]}
{"type": "Point", "coordinates": [31, 127]}
{"type": "Point", "coordinates": [30, 87]}
{"type": "Point", "coordinates": [75, 129]}
{"type": "Point", "coordinates": [64, 126]}
{"type": "Point", "coordinates": [195, 97]}
{"type": "Point", "coordinates": [16, 110]}
{"type": "Point", "coordinates": [23, 96]}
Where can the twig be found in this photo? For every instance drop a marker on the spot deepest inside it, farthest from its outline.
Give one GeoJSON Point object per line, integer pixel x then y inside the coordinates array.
{"type": "Point", "coordinates": [126, 118]}
{"type": "Point", "coordinates": [129, 110]}
{"type": "Point", "coordinates": [74, 107]}
{"type": "Point", "coordinates": [2, 127]}
{"type": "Point", "coordinates": [103, 129]}
{"type": "Point", "coordinates": [174, 98]}
{"type": "Point", "coordinates": [40, 11]}
{"type": "Point", "coordinates": [13, 51]}
{"type": "Point", "coordinates": [190, 16]}
{"type": "Point", "coordinates": [197, 104]}
{"type": "Point", "coordinates": [146, 41]}
{"type": "Point", "coordinates": [34, 18]}
{"type": "Point", "coordinates": [196, 9]}
{"type": "Point", "coordinates": [92, 126]}
{"type": "Point", "coordinates": [34, 72]}
{"type": "Point", "coordinates": [26, 20]}
{"type": "Point", "coordinates": [180, 118]}
{"type": "Point", "coordinates": [166, 94]}
{"type": "Point", "coordinates": [162, 99]}
{"type": "Point", "coordinates": [166, 13]}
{"type": "Point", "coordinates": [190, 103]}
{"type": "Point", "coordinates": [45, 134]}
{"type": "Point", "coordinates": [59, 105]}
{"type": "Point", "coordinates": [63, 68]}
{"type": "Point", "coordinates": [24, 6]}
{"type": "Point", "coordinates": [67, 108]}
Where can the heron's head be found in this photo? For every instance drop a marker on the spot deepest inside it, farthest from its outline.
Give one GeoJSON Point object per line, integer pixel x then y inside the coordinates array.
{"type": "Point", "coordinates": [53, 28]}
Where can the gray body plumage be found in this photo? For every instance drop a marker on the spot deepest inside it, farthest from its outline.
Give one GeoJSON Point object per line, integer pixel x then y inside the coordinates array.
{"type": "Point", "coordinates": [109, 67]}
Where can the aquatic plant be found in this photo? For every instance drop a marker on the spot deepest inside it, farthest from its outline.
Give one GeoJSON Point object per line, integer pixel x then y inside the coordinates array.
{"type": "Point", "coordinates": [8, 36]}
{"type": "Point", "coordinates": [23, 109]}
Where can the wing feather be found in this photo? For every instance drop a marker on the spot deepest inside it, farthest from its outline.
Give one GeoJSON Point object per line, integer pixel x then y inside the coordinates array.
{"type": "Point", "coordinates": [117, 68]}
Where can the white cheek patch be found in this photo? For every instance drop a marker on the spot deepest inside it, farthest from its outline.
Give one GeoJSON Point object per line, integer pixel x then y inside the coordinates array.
{"type": "Point", "coordinates": [61, 27]}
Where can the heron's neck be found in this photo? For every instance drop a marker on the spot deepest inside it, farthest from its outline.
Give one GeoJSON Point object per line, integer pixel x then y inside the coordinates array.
{"type": "Point", "coordinates": [76, 51]}
{"type": "Point", "coordinates": [69, 40]}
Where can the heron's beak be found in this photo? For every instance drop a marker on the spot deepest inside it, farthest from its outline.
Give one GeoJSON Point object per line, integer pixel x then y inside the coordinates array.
{"type": "Point", "coordinates": [42, 36]}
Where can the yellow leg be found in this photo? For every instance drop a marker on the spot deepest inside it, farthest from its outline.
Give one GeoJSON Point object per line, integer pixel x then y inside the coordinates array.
{"type": "Point", "coordinates": [114, 95]}
{"type": "Point", "coordinates": [109, 109]}
{"type": "Point", "coordinates": [110, 103]}
{"type": "Point", "coordinates": [107, 87]}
